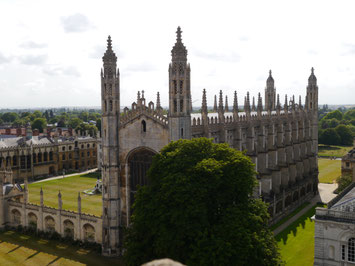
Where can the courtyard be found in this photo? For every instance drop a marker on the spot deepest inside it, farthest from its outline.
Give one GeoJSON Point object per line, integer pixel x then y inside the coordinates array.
{"type": "Point", "coordinates": [69, 187]}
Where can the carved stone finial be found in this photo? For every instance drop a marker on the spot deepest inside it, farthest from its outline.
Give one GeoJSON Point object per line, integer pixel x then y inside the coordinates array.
{"type": "Point", "coordinates": [178, 34]}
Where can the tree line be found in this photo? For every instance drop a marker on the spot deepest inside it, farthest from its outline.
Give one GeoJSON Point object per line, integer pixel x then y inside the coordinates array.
{"type": "Point", "coordinates": [336, 127]}
{"type": "Point", "coordinates": [78, 120]}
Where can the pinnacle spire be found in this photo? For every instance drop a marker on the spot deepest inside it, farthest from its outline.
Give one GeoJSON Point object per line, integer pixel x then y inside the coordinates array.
{"type": "Point", "coordinates": [235, 103]}
{"type": "Point", "coordinates": [109, 43]}
{"type": "Point", "coordinates": [278, 100]}
{"type": "Point", "coordinates": [215, 104]}
{"type": "Point", "coordinates": [226, 104]}
{"type": "Point", "coordinates": [220, 103]}
{"type": "Point", "coordinates": [286, 106]}
{"type": "Point", "coordinates": [204, 102]}
{"type": "Point", "coordinates": [253, 108]}
{"type": "Point", "coordinates": [312, 80]}
{"type": "Point", "coordinates": [158, 100]}
{"type": "Point", "coordinates": [178, 34]}
{"type": "Point", "coordinates": [260, 103]}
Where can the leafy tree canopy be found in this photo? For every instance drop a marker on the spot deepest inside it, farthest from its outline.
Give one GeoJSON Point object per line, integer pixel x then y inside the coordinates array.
{"type": "Point", "coordinates": [330, 137]}
{"type": "Point", "coordinates": [39, 123]}
{"type": "Point", "coordinates": [335, 114]}
{"type": "Point", "coordinates": [9, 117]}
{"type": "Point", "coordinates": [345, 134]}
{"type": "Point", "coordinates": [198, 209]}
{"type": "Point", "coordinates": [350, 114]}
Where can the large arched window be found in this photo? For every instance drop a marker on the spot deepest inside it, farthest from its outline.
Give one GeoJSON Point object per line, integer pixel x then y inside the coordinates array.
{"type": "Point", "coordinates": [139, 163]}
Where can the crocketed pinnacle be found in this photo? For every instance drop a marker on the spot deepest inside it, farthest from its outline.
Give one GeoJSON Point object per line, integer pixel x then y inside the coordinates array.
{"type": "Point", "coordinates": [260, 103]}
{"type": "Point", "coordinates": [253, 108]}
{"type": "Point", "coordinates": [278, 101]}
{"type": "Point", "coordinates": [312, 80]}
{"type": "Point", "coordinates": [235, 103]}
{"type": "Point", "coordinates": [220, 103]}
{"type": "Point", "coordinates": [179, 52]}
{"type": "Point", "coordinates": [178, 34]}
{"type": "Point", "coordinates": [158, 100]}
{"type": "Point", "coordinates": [109, 54]}
{"type": "Point", "coordinates": [204, 102]}
{"type": "Point", "coordinates": [215, 104]}
{"type": "Point", "coordinates": [226, 108]}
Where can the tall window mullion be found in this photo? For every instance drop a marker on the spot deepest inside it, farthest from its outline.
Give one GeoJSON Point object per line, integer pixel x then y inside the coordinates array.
{"type": "Point", "coordinates": [351, 250]}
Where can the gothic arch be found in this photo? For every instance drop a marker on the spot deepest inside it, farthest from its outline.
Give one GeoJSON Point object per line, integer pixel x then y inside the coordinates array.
{"type": "Point", "coordinates": [89, 233]}
{"type": "Point", "coordinates": [16, 217]}
{"type": "Point", "coordinates": [32, 220]}
{"type": "Point", "coordinates": [49, 223]}
{"type": "Point", "coordinates": [138, 162]}
{"type": "Point", "coordinates": [68, 228]}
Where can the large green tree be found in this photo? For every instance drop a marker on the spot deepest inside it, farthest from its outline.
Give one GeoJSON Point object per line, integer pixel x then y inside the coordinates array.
{"type": "Point", "coordinates": [39, 123]}
{"type": "Point", "coordinates": [345, 134]}
{"type": "Point", "coordinates": [334, 114]}
{"type": "Point", "coordinates": [198, 209]}
{"type": "Point", "coordinates": [329, 137]}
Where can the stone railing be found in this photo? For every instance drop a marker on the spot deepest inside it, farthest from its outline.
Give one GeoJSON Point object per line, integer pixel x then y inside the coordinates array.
{"type": "Point", "coordinates": [333, 215]}
{"type": "Point", "coordinates": [341, 194]}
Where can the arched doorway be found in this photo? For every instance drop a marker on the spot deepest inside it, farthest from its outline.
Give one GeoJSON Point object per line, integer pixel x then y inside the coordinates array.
{"type": "Point", "coordinates": [139, 162]}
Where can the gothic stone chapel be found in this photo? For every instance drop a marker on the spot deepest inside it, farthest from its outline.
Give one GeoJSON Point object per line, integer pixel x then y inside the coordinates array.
{"type": "Point", "coordinates": [281, 139]}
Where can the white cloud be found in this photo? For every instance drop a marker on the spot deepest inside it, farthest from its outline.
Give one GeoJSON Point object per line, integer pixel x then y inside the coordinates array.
{"type": "Point", "coordinates": [4, 59]}
{"type": "Point", "coordinates": [55, 70]}
{"type": "Point", "coordinates": [76, 23]}
{"type": "Point", "coordinates": [231, 46]}
{"type": "Point", "coordinates": [33, 59]}
{"type": "Point", "coordinates": [33, 45]}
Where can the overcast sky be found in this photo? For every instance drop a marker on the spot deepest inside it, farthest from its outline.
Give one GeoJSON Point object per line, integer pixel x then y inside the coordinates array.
{"type": "Point", "coordinates": [51, 51]}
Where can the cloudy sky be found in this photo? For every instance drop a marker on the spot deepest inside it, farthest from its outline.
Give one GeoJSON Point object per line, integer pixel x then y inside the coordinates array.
{"type": "Point", "coordinates": [50, 51]}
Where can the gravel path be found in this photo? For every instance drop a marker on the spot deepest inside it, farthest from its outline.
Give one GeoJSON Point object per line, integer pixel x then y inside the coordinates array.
{"type": "Point", "coordinates": [325, 195]}
{"type": "Point", "coordinates": [61, 176]}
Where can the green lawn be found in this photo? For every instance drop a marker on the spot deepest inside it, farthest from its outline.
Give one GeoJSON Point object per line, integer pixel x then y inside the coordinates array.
{"type": "Point", "coordinates": [19, 249]}
{"type": "Point", "coordinates": [286, 218]}
{"type": "Point", "coordinates": [296, 242]}
{"type": "Point", "coordinates": [329, 170]}
{"type": "Point", "coordinates": [332, 150]}
{"type": "Point", "coordinates": [69, 188]}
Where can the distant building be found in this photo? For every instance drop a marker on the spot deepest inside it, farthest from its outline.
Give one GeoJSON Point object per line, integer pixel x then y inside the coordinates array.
{"type": "Point", "coordinates": [32, 157]}
{"type": "Point", "coordinates": [335, 231]}
{"type": "Point", "coordinates": [348, 163]}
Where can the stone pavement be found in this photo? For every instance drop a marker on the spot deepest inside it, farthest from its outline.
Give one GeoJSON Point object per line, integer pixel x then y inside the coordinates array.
{"type": "Point", "coordinates": [325, 195]}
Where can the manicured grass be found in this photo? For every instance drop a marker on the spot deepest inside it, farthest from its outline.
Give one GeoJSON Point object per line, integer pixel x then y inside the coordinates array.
{"type": "Point", "coordinates": [69, 188]}
{"type": "Point", "coordinates": [332, 150]}
{"type": "Point", "coordinates": [329, 170]}
{"type": "Point", "coordinates": [296, 242]}
{"type": "Point", "coordinates": [286, 218]}
{"type": "Point", "coordinates": [19, 249]}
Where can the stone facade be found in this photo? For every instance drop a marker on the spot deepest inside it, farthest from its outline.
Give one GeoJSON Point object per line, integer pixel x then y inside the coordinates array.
{"type": "Point", "coordinates": [16, 210]}
{"type": "Point", "coordinates": [348, 163]}
{"type": "Point", "coordinates": [32, 157]}
{"type": "Point", "coordinates": [335, 231]}
{"type": "Point", "coordinates": [282, 140]}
